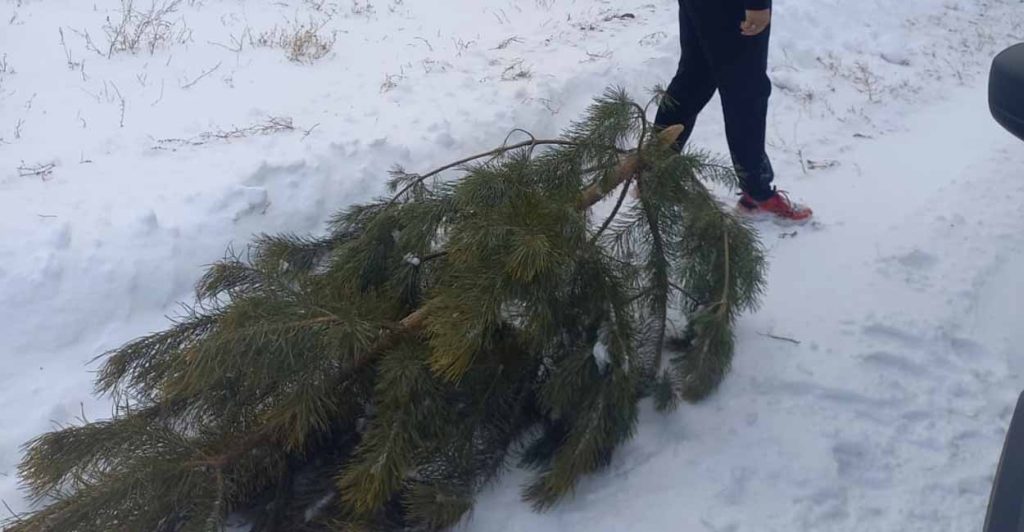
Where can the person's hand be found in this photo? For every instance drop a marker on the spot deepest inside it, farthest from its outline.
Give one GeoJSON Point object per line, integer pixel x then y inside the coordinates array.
{"type": "Point", "coordinates": [756, 22]}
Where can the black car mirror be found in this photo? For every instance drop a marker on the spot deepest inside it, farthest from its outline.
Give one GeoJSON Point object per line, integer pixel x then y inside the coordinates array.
{"type": "Point", "coordinates": [1006, 89]}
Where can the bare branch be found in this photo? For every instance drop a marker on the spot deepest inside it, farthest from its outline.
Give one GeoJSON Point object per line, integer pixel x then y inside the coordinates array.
{"type": "Point", "coordinates": [780, 338]}
{"type": "Point", "coordinates": [201, 76]}
{"type": "Point", "coordinates": [310, 130]}
{"type": "Point", "coordinates": [43, 171]}
{"type": "Point", "coordinates": [273, 124]}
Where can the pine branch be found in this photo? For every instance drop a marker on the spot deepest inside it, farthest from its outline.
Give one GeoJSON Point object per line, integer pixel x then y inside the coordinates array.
{"type": "Point", "coordinates": [660, 285]}
{"type": "Point", "coordinates": [686, 294]}
{"type": "Point", "coordinates": [490, 153]}
{"type": "Point", "coordinates": [593, 194]}
{"type": "Point", "coordinates": [615, 212]}
{"type": "Point", "coordinates": [333, 382]}
{"type": "Point", "coordinates": [726, 290]}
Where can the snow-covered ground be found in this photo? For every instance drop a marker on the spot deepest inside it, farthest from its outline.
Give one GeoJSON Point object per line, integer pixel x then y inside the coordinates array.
{"type": "Point", "coordinates": [905, 297]}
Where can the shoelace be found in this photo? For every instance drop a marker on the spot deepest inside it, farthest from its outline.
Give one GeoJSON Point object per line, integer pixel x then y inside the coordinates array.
{"type": "Point", "coordinates": [790, 206]}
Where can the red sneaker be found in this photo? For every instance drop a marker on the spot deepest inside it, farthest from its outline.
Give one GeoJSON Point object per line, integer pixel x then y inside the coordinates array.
{"type": "Point", "coordinates": [778, 205]}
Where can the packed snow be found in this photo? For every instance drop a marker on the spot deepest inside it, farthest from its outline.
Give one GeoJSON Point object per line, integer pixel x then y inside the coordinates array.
{"type": "Point", "coordinates": [871, 391]}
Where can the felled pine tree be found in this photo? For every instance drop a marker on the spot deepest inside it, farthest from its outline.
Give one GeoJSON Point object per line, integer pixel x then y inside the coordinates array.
{"type": "Point", "coordinates": [377, 377]}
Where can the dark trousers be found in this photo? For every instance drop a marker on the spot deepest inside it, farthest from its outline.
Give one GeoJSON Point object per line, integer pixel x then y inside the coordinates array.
{"type": "Point", "coordinates": [717, 57]}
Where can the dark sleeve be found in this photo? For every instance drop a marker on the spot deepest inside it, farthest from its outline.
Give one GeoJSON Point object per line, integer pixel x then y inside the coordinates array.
{"type": "Point", "coordinates": [755, 5]}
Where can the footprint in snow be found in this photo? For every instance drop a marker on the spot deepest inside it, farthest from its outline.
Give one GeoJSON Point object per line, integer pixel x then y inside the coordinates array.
{"type": "Point", "coordinates": [884, 360]}
{"type": "Point", "coordinates": [892, 334]}
{"type": "Point", "coordinates": [913, 268]}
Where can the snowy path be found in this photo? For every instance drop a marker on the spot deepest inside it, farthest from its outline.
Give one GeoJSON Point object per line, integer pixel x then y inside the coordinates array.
{"type": "Point", "coordinates": [890, 413]}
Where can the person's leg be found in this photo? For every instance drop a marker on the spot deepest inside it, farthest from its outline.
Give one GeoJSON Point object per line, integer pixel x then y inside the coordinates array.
{"type": "Point", "coordinates": [742, 75]}
{"type": "Point", "coordinates": [693, 85]}
{"type": "Point", "coordinates": [740, 66]}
